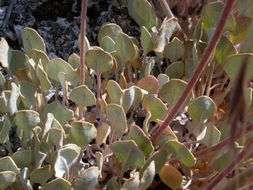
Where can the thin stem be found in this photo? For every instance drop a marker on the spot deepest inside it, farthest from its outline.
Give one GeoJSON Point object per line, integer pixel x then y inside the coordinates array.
{"type": "Point", "coordinates": [198, 71]}
{"type": "Point", "coordinates": [83, 34]}
{"type": "Point", "coordinates": [98, 93]}
{"type": "Point", "coordinates": [231, 166]}
{"type": "Point", "coordinates": [224, 142]}
{"type": "Point", "coordinates": [82, 53]}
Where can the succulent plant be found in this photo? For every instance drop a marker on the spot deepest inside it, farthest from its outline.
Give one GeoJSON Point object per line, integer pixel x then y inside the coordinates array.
{"type": "Point", "coordinates": [115, 130]}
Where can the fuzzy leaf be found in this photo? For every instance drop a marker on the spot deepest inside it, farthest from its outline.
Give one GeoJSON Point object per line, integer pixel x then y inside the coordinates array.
{"type": "Point", "coordinates": [125, 46]}
{"type": "Point", "coordinates": [233, 64]}
{"type": "Point", "coordinates": [28, 94]}
{"type": "Point", "coordinates": [223, 49]}
{"type": "Point", "coordinates": [117, 119]}
{"type": "Point", "coordinates": [103, 130]}
{"type": "Point", "coordinates": [131, 98]}
{"type": "Point", "coordinates": [207, 133]}
{"type": "Point", "coordinates": [128, 153]}
{"type": "Point", "coordinates": [55, 137]}
{"type": "Point", "coordinates": [65, 158]}
{"type": "Point", "coordinates": [83, 96]}
{"type": "Point", "coordinates": [245, 8]}
{"type": "Point", "coordinates": [172, 90]}
{"type": "Point", "coordinates": [174, 50]}
{"type": "Point", "coordinates": [166, 30]}
{"type": "Point", "coordinates": [4, 130]}
{"type": "Point", "coordinates": [146, 40]}
{"type": "Point", "coordinates": [60, 113]}
{"type": "Point", "coordinates": [32, 40]}
{"type": "Point", "coordinates": [43, 78]}
{"type": "Point", "coordinates": [13, 103]}
{"type": "Point", "coordinates": [175, 70]}
{"type": "Point", "coordinates": [99, 60]}
{"type": "Point", "coordinates": [41, 175]}
{"type": "Point", "coordinates": [213, 10]}
{"type": "Point", "coordinates": [171, 176]}
{"type": "Point", "coordinates": [82, 132]}
{"type": "Point", "coordinates": [111, 30]}
{"type": "Point", "coordinates": [141, 11]}
{"type": "Point", "coordinates": [162, 79]}
{"type": "Point", "coordinates": [149, 83]}
{"type": "Point", "coordinates": [87, 178]}
{"type": "Point", "coordinates": [23, 158]}
{"type": "Point", "coordinates": [179, 152]}
{"type": "Point", "coordinates": [74, 60]}
{"type": "Point", "coordinates": [239, 34]}
{"type": "Point", "coordinates": [38, 55]}
{"type": "Point", "coordinates": [2, 80]}
{"type": "Point", "coordinates": [4, 53]}
{"type": "Point", "coordinates": [17, 61]}
{"type": "Point", "coordinates": [114, 91]}
{"type": "Point", "coordinates": [159, 158]}
{"type": "Point", "coordinates": [27, 120]}
{"type": "Point", "coordinates": [202, 108]}
{"type": "Point", "coordinates": [6, 179]}
{"type": "Point", "coordinates": [58, 184]}
{"type": "Point", "coordinates": [132, 182]}
{"type": "Point", "coordinates": [107, 44]}
{"type": "Point", "coordinates": [56, 66]}
{"type": "Point", "coordinates": [148, 176]}
{"type": "Point", "coordinates": [141, 140]}
{"type": "Point", "coordinates": [155, 106]}
{"type": "Point", "coordinates": [7, 164]}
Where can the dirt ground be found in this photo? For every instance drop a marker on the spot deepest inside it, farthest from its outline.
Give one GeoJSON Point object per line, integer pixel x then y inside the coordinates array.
{"type": "Point", "coordinates": [58, 21]}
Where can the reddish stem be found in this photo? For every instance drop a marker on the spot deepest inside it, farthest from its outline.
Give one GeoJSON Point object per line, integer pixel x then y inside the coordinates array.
{"type": "Point", "coordinates": [231, 166]}
{"type": "Point", "coordinates": [83, 34]}
{"type": "Point", "coordinates": [198, 71]}
{"type": "Point", "coordinates": [82, 53]}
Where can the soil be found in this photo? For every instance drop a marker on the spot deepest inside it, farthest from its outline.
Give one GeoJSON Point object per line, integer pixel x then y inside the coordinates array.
{"type": "Point", "coordinates": [58, 21]}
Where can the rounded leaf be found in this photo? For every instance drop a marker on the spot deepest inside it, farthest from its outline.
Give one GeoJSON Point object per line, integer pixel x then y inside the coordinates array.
{"type": "Point", "coordinates": [4, 52]}
{"type": "Point", "coordinates": [32, 40]}
{"type": "Point", "coordinates": [233, 64]}
{"type": "Point", "coordinates": [171, 176]}
{"type": "Point", "coordinates": [175, 70]}
{"type": "Point", "coordinates": [211, 13]}
{"type": "Point", "coordinates": [202, 108]}
{"type": "Point", "coordinates": [111, 30]}
{"type": "Point", "coordinates": [128, 153]}
{"type": "Point", "coordinates": [155, 106]}
{"type": "Point", "coordinates": [117, 119]}
{"type": "Point", "coordinates": [58, 184]}
{"type": "Point", "coordinates": [6, 179]}
{"type": "Point", "coordinates": [149, 83]}
{"type": "Point", "coordinates": [99, 60]}
{"type": "Point", "coordinates": [107, 44]}
{"type": "Point", "coordinates": [165, 32]}
{"type": "Point", "coordinates": [27, 120]}
{"type": "Point", "coordinates": [83, 96]}
{"type": "Point", "coordinates": [172, 90]}
{"type": "Point", "coordinates": [125, 47]}
{"type": "Point", "coordinates": [142, 12]}
{"type": "Point", "coordinates": [146, 40]}
{"type": "Point", "coordinates": [82, 132]}
{"type": "Point", "coordinates": [58, 65]}
{"type": "Point", "coordinates": [87, 179]}
{"type": "Point", "coordinates": [41, 175]}
{"type": "Point", "coordinates": [174, 50]}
